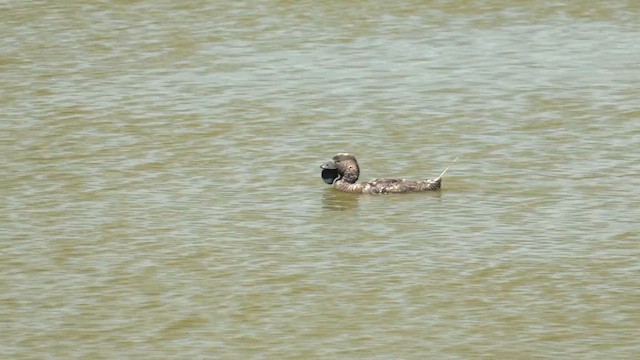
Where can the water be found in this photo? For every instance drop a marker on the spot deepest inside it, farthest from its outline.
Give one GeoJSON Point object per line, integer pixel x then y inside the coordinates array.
{"type": "Point", "coordinates": [162, 194]}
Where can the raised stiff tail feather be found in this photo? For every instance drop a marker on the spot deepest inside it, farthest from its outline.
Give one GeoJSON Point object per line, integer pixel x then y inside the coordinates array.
{"type": "Point", "coordinates": [445, 170]}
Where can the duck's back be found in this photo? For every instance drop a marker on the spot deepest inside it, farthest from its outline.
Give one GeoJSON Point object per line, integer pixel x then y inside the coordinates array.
{"type": "Point", "coordinates": [384, 186]}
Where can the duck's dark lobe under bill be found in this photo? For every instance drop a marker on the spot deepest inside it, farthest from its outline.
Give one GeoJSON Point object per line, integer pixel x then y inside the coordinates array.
{"type": "Point", "coordinates": [329, 175]}
{"type": "Point", "coordinates": [329, 172]}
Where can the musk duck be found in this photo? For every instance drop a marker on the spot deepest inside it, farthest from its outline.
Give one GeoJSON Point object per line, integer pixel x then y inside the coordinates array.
{"type": "Point", "coordinates": [342, 172]}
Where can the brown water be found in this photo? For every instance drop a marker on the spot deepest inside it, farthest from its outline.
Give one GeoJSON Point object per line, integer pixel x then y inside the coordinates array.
{"type": "Point", "coordinates": [161, 195]}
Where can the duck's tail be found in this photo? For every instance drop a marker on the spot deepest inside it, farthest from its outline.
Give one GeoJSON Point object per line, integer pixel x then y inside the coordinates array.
{"type": "Point", "coordinates": [445, 170]}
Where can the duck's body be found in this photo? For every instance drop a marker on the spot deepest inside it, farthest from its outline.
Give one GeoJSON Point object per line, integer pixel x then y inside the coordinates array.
{"type": "Point", "coordinates": [385, 186]}
{"type": "Point", "coordinates": [343, 171]}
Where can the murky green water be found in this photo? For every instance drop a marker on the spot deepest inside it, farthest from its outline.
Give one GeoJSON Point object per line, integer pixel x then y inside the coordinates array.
{"type": "Point", "coordinates": [161, 191]}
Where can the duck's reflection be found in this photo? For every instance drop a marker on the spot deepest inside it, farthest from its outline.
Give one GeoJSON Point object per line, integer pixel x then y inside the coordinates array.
{"type": "Point", "coordinates": [338, 200]}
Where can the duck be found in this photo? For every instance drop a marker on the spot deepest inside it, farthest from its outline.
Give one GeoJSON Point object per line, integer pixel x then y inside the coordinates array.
{"type": "Point", "coordinates": [342, 171]}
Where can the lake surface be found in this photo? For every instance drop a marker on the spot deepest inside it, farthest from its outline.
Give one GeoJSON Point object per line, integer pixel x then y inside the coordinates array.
{"type": "Point", "coordinates": [161, 191]}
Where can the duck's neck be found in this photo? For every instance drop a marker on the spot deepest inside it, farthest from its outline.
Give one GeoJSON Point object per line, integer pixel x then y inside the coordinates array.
{"type": "Point", "coordinates": [348, 180]}
{"type": "Point", "coordinates": [343, 185]}
{"type": "Point", "coordinates": [350, 176]}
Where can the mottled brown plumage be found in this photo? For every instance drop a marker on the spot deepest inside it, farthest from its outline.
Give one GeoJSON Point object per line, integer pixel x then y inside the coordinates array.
{"type": "Point", "coordinates": [343, 171]}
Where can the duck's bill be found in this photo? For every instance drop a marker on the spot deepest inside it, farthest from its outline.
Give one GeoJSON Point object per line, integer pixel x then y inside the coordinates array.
{"type": "Point", "coordinates": [329, 165]}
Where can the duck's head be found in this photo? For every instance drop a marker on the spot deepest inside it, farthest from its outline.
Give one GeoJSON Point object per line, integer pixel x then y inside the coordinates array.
{"type": "Point", "coordinates": [341, 167]}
